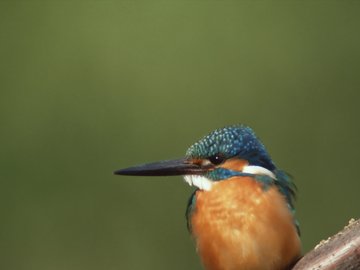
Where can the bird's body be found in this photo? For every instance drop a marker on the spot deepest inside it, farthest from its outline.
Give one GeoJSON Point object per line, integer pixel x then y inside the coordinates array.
{"type": "Point", "coordinates": [241, 214]}
{"type": "Point", "coordinates": [239, 225]}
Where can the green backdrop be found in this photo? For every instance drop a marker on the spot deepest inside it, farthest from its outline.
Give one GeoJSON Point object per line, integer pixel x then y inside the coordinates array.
{"type": "Point", "coordinates": [90, 87]}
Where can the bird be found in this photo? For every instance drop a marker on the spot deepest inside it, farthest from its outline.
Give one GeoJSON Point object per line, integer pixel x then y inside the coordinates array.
{"type": "Point", "coordinates": [241, 214]}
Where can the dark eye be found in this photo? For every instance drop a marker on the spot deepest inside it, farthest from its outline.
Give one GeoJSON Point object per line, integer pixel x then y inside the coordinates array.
{"type": "Point", "coordinates": [216, 159]}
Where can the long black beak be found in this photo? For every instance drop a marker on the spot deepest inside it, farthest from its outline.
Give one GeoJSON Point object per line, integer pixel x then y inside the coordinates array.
{"type": "Point", "coordinates": [163, 168]}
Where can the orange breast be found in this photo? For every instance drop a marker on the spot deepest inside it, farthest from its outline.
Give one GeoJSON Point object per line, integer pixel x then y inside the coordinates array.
{"type": "Point", "coordinates": [239, 225]}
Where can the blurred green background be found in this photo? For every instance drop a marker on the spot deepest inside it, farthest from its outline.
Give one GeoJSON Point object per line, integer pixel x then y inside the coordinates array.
{"type": "Point", "coordinates": [90, 87]}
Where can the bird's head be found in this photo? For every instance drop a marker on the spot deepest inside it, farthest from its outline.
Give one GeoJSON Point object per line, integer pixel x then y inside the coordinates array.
{"type": "Point", "coordinates": [224, 153]}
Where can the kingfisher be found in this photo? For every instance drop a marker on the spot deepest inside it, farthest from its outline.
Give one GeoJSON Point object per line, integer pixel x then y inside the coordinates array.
{"type": "Point", "coordinates": [241, 214]}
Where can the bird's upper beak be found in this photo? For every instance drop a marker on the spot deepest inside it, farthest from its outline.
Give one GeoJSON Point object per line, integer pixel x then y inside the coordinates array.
{"type": "Point", "coordinates": [184, 166]}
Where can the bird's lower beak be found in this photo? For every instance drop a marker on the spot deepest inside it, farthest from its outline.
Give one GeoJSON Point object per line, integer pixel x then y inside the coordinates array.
{"type": "Point", "coordinates": [163, 168]}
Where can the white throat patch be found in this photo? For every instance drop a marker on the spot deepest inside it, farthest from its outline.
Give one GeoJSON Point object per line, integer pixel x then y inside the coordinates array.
{"type": "Point", "coordinates": [199, 181]}
{"type": "Point", "coordinates": [204, 183]}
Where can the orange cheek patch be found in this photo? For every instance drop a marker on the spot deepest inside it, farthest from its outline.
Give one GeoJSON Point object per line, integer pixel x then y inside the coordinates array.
{"type": "Point", "coordinates": [234, 164]}
{"type": "Point", "coordinates": [197, 161]}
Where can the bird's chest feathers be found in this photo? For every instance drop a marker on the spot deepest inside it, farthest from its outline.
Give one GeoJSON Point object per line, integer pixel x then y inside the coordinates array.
{"type": "Point", "coordinates": [238, 225]}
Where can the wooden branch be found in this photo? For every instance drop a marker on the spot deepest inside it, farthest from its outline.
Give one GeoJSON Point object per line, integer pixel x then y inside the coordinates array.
{"type": "Point", "coordinates": [341, 251]}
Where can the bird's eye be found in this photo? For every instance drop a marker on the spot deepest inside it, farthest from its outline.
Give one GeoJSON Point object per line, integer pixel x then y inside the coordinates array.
{"type": "Point", "coordinates": [216, 159]}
